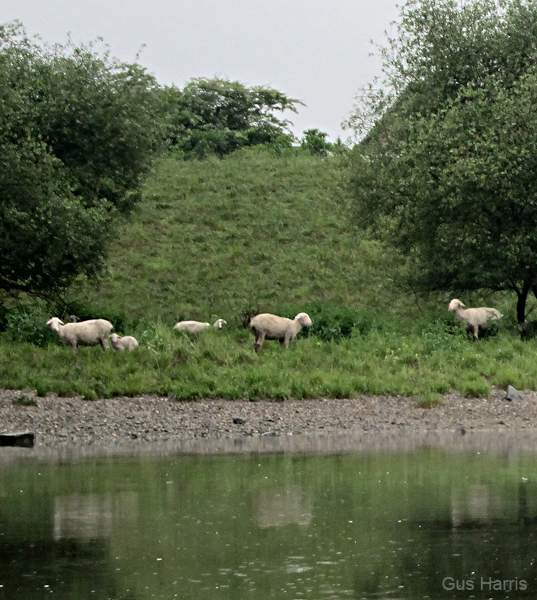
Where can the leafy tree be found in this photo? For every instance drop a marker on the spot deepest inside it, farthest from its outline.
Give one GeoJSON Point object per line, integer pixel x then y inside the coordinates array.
{"type": "Point", "coordinates": [316, 143]}
{"type": "Point", "coordinates": [216, 116]}
{"type": "Point", "coordinates": [78, 132]}
{"type": "Point", "coordinates": [447, 165]}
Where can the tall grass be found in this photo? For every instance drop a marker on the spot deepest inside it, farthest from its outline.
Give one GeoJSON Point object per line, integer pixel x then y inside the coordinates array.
{"type": "Point", "coordinates": [255, 233]}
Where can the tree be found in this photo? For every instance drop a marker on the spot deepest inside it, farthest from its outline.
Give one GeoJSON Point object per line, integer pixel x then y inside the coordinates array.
{"type": "Point", "coordinates": [216, 116]}
{"type": "Point", "coordinates": [78, 132]}
{"type": "Point", "coordinates": [315, 142]}
{"type": "Point", "coordinates": [447, 165]}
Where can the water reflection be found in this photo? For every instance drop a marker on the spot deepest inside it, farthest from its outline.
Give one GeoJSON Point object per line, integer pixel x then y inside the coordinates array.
{"type": "Point", "coordinates": [283, 506]}
{"type": "Point", "coordinates": [90, 516]}
{"type": "Point", "coordinates": [425, 523]}
{"type": "Point", "coordinates": [82, 517]}
{"type": "Point", "coordinates": [478, 504]}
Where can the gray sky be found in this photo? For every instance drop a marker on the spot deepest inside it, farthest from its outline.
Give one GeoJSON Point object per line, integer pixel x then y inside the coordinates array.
{"type": "Point", "coordinates": [313, 50]}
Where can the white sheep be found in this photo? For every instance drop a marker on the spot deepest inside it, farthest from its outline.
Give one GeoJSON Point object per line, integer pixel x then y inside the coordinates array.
{"type": "Point", "coordinates": [271, 327]}
{"type": "Point", "coordinates": [85, 333]}
{"type": "Point", "coordinates": [126, 342]}
{"type": "Point", "coordinates": [197, 326]}
{"type": "Point", "coordinates": [475, 318]}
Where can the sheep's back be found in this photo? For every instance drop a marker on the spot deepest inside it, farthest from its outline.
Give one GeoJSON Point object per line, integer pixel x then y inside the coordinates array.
{"type": "Point", "coordinates": [480, 316]}
{"type": "Point", "coordinates": [494, 314]}
{"type": "Point", "coordinates": [191, 326]}
{"type": "Point", "coordinates": [273, 326]}
{"type": "Point", "coordinates": [87, 333]}
{"type": "Point", "coordinates": [129, 342]}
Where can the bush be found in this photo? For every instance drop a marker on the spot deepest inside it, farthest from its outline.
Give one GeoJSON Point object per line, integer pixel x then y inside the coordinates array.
{"type": "Point", "coordinates": [26, 326]}
{"type": "Point", "coordinates": [335, 323]}
{"type": "Point", "coordinates": [79, 132]}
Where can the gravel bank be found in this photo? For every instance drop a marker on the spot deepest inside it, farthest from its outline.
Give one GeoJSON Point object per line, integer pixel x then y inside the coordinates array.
{"type": "Point", "coordinates": [67, 421]}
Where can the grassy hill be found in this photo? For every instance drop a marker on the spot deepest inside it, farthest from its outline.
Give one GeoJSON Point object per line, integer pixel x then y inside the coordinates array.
{"type": "Point", "coordinates": [255, 233]}
{"type": "Point", "coordinates": [237, 236]}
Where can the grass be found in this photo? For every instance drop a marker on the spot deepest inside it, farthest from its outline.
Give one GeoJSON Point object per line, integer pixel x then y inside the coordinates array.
{"type": "Point", "coordinates": [256, 233]}
{"type": "Point", "coordinates": [232, 237]}
{"type": "Point", "coordinates": [224, 365]}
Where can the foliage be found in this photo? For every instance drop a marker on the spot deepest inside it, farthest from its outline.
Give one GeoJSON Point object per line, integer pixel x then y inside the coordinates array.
{"type": "Point", "coordinates": [446, 171]}
{"type": "Point", "coordinates": [79, 131]}
{"type": "Point", "coordinates": [335, 323]}
{"type": "Point", "coordinates": [315, 142]}
{"type": "Point", "coordinates": [28, 326]}
{"type": "Point", "coordinates": [217, 117]}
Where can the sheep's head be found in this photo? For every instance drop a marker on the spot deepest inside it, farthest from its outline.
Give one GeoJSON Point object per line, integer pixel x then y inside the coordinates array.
{"type": "Point", "coordinates": [114, 337]}
{"type": "Point", "coordinates": [219, 323]}
{"type": "Point", "coordinates": [304, 319]}
{"type": "Point", "coordinates": [55, 323]}
{"type": "Point", "coordinates": [454, 304]}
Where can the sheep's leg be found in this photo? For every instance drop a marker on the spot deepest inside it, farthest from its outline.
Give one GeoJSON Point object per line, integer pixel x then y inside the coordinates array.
{"type": "Point", "coordinates": [259, 339]}
{"type": "Point", "coordinates": [284, 341]}
{"type": "Point", "coordinates": [104, 343]}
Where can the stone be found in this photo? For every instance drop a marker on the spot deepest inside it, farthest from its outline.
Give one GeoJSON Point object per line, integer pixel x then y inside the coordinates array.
{"type": "Point", "coordinates": [513, 394]}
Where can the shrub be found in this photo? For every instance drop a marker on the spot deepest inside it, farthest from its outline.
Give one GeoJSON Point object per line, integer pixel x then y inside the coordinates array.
{"type": "Point", "coordinates": [335, 323]}
{"type": "Point", "coordinates": [27, 326]}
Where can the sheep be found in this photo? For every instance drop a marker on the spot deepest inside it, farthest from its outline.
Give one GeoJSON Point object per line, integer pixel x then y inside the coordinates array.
{"type": "Point", "coordinates": [85, 333]}
{"type": "Point", "coordinates": [127, 342]}
{"type": "Point", "coordinates": [475, 318]}
{"type": "Point", "coordinates": [197, 326]}
{"type": "Point", "coordinates": [271, 327]}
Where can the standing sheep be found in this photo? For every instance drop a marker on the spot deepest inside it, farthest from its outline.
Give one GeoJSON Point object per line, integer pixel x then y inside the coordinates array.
{"type": "Point", "coordinates": [475, 318]}
{"type": "Point", "coordinates": [126, 342]}
{"type": "Point", "coordinates": [271, 327]}
{"type": "Point", "coordinates": [85, 333]}
{"type": "Point", "coordinates": [197, 326]}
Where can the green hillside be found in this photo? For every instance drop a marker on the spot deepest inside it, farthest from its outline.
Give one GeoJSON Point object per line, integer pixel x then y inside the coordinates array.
{"type": "Point", "coordinates": [230, 237]}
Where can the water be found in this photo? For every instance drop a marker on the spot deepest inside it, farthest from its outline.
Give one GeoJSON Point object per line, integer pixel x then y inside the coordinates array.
{"type": "Point", "coordinates": [421, 523]}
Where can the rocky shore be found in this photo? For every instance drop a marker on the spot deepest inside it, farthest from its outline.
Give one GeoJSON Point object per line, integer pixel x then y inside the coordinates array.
{"type": "Point", "coordinates": [74, 421]}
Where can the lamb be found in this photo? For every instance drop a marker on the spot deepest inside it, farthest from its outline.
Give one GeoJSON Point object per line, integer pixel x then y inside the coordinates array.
{"type": "Point", "coordinates": [197, 326]}
{"type": "Point", "coordinates": [271, 327]}
{"type": "Point", "coordinates": [126, 342]}
{"type": "Point", "coordinates": [85, 333]}
{"type": "Point", "coordinates": [475, 318]}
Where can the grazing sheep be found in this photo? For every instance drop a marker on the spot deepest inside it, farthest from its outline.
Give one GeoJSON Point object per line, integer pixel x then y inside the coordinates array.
{"type": "Point", "coordinates": [85, 333]}
{"type": "Point", "coordinates": [271, 327]}
{"type": "Point", "coordinates": [475, 318]}
{"type": "Point", "coordinates": [127, 342]}
{"type": "Point", "coordinates": [197, 326]}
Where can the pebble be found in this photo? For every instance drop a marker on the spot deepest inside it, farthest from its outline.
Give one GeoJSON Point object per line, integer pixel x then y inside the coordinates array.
{"type": "Point", "coordinates": [56, 420]}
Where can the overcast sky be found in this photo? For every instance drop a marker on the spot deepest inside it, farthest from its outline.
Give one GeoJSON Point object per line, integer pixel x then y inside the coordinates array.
{"type": "Point", "coordinates": [314, 50]}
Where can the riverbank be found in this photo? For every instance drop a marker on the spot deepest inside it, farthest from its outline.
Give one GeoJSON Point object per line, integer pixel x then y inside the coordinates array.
{"type": "Point", "coordinates": [74, 421]}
